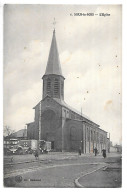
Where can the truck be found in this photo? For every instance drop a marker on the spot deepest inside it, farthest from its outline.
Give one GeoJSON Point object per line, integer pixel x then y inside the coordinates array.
{"type": "Point", "coordinates": [29, 146]}
{"type": "Point", "coordinates": [44, 146]}
{"type": "Point", "coordinates": [19, 147]}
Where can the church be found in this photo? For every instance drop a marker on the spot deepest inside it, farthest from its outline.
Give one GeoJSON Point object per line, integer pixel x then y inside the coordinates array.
{"type": "Point", "coordinates": [57, 122]}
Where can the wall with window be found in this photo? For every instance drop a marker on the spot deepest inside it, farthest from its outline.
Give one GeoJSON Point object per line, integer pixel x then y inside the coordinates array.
{"type": "Point", "coordinates": [73, 135]}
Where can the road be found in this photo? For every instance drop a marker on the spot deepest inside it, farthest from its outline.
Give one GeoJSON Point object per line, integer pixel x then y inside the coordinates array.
{"type": "Point", "coordinates": [57, 172]}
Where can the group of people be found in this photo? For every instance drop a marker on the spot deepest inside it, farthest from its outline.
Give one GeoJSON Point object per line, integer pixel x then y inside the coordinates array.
{"type": "Point", "coordinates": [36, 154]}
{"type": "Point", "coordinates": [103, 152]}
{"type": "Point", "coordinates": [95, 152]}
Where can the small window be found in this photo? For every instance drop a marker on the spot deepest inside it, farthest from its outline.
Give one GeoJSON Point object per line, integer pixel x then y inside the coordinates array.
{"type": "Point", "coordinates": [94, 136]}
{"type": "Point", "coordinates": [101, 138]}
{"type": "Point", "coordinates": [88, 134]}
{"type": "Point", "coordinates": [72, 115]}
{"type": "Point", "coordinates": [73, 135]}
{"type": "Point", "coordinates": [97, 137]}
{"type": "Point", "coordinates": [91, 135]}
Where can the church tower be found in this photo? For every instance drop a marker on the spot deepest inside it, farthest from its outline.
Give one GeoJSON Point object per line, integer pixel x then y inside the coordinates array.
{"type": "Point", "coordinates": [53, 80]}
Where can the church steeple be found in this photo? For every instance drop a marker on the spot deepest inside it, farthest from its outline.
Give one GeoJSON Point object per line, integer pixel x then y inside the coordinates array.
{"type": "Point", "coordinates": [53, 64]}
{"type": "Point", "coordinates": [53, 80]}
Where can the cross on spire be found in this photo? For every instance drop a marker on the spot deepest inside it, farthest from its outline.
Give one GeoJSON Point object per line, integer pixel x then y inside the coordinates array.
{"type": "Point", "coordinates": [54, 23]}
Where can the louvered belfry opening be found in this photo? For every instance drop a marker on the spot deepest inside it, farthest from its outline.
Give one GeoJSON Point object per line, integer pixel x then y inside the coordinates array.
{"type": "Point", "coordinates": [56, 87]}
{"type": "Point", "coordinates": [48, 86]}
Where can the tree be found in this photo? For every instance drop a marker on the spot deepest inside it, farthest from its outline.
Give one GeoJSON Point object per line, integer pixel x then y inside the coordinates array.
{"type": "Point", "coordinates": [8, 131]}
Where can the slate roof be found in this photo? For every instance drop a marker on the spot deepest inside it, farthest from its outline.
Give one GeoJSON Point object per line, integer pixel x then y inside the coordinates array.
{"type": "Point", "coordinates": [53, 64]}
{"type": "Point", "coordinates": [62, 103]}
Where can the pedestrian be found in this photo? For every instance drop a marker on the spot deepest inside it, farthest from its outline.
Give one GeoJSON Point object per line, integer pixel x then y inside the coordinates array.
{"type": "Point", "coordinates": [36, 154]}
{"type": "Point", "coordinates": [95, 151]}
{"type": "Point", "coordinates": [79, 151]}
{"type": "Point", "coordinates": [104, 153]}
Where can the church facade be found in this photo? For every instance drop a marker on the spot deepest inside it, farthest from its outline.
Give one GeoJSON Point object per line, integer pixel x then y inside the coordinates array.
{"type": "Point", "coordinates": [55, 121]}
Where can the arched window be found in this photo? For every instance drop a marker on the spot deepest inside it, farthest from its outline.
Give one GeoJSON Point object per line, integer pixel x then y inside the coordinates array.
{"type": "Point", "coordinates": [72, 115]}
{"type": "Point", "coordinates": [104, 139]}
{"type": "Point", "coordinates": [88, 135]}
{"type": "Point", "coordinates": [94, 136]}
{"type": "Point", "coordinates": [73, 133]}
{"type": "Point", "coordinates": [101, 138]}
{"type": "Point", "coordinates": [48, 86]}
{"type": "Point", "coordinates": [91, 135]}
{"type": "Point", "coordinates": [56, 86]}
{"type": "Point", "coordinates": [97, 137]}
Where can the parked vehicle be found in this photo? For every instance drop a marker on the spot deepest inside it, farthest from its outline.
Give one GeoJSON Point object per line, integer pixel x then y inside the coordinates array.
{"type": "Point", "coordinates": [19, 147]}
{"type": "Point", "coordinates": [13, 149]}
{"type": "Point", "coordinates": [29, 151]}
{"type": "Point", "coordinates": [29, 144]}
{"type": "Point", "coordinates": [19, 151]}
{"type": "Point", "coordinates": [45, 146]}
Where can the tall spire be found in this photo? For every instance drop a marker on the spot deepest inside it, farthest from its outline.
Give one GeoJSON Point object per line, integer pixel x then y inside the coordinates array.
{"type": "Point", "coordinates": [53, 64]}
{"type": "Point", "coordinates": [53, 80]}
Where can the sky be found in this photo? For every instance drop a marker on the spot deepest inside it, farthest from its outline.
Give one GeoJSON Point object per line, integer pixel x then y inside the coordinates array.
{"type": "Point", "coordinates": [90, 52]}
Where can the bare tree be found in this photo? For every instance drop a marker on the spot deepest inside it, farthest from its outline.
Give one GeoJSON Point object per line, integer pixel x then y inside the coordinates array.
{"type": "Point", "coordinates": [7, 130]}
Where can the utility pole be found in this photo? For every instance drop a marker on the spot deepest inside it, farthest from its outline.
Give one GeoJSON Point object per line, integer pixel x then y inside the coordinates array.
{"type": "Point", "coordinates": [109, 142]}
{"type": "Point", "coordinates": [39, 125]}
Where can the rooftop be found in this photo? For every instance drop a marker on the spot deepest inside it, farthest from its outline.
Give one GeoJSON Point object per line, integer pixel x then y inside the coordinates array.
{"type": "Point", "coordinates": [53, 64]}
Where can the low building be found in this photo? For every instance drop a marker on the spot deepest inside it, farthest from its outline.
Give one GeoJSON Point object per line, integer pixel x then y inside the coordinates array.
{"type": "Point", "coordinates": [21, 134]}
{"type": "Point", "coordinates": [118, 148]}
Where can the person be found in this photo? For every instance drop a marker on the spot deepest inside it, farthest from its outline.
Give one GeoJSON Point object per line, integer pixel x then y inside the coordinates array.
{"type": "Point", "coordinates": [95, 151]}
{"type": "Point", "coordinates": [79, 151]}
{"type": "Point", "coordinates": [36, 154]}
{"type": "Point", "coordinates": [104, 153]}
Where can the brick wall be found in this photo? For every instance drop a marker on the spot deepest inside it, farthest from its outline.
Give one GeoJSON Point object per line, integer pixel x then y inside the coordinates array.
{"type": "Point", "coordinates": [31, 130]}
{"type": "Point", "coordinates": [72, 135]}
{"type": "Point", "coordinates": [51, 128]}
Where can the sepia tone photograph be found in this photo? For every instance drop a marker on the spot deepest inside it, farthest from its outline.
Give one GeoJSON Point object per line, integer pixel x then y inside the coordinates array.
{"type": "Point", "coordinates": [62, 96]}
